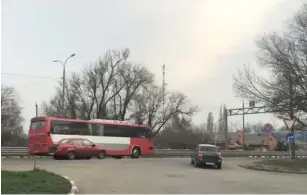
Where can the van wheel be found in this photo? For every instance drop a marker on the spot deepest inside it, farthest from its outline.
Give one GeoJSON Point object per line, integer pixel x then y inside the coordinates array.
{"type": "Point", "coordinates": [136, 152]}
{"type": "Point", "coordinates": [101, 155]}
{"type": "Point", "coordinates": [219, 165]}
{"type": "Point", "coordinates": [71, 155]}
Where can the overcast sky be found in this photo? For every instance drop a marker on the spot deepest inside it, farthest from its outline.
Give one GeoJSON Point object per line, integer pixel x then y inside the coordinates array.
{"type": "Point", "coordinates": [201, 42]}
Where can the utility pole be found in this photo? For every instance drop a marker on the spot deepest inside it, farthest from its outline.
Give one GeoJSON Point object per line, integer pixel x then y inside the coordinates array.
{"type": "Point", "coordinates": [163, 94]}
{"type": "Point", "coordinates": [64, 80]}
{"type": "Point", "coordinates": [226, 127]}
{"type": "Point", "coordinates": [36, 109]}
{"type": "Point", "coordinates": [291, 109]}
{"type": "Point", "coordinates": [243, 126]}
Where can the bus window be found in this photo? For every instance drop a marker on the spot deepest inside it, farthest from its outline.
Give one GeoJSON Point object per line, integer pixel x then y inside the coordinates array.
{"type": "Point", "coordinates": [69, 128]}
{"type": "Point", "coordinates": [97, 129]}
{"type": "Point", "coordinates": [37, 125]}
{"type": "Point", "coordinates": [113, 131]}
{"type": "Point", "coordinates": [127, 131]}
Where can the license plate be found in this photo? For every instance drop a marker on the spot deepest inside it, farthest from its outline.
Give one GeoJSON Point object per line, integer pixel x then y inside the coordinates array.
{"type": "Point", "coordinates": [209, 163]}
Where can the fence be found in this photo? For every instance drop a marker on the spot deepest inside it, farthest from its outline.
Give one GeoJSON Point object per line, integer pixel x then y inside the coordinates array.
{"type": "Point", "coordinates": [23, 151]}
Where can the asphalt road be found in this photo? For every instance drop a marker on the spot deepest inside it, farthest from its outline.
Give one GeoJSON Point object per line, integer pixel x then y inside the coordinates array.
{"type": "Point", "coordinates": [172, 175]}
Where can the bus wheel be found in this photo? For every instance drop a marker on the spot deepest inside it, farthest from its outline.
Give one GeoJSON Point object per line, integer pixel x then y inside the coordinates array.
{"type": "Point", "coordinates": [136, 152]}
{"type": "Point", "coordinates": [71, 155]}
{"type": "Point", "coordinates": [101, 155]}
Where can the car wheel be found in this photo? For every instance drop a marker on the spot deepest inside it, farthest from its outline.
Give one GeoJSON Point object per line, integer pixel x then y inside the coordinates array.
{"type": "Point", "coordinates": [56, 157]}
{"type": "Point", "coordinates": [192, 161]}
{"type": "Point", "coordinates": [196, 164]}
{"type": "Point", "coordinates": [136, 152]}
{"type": "Point", "coordinates": [219, 165]}
{"type": "Point", "coordinates": [101, 155]}
{"type": "Point", "coordinates": [71, 155]}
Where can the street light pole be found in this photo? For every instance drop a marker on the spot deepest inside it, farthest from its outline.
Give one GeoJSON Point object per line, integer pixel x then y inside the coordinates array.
{"type": "Point", "coordinates": [243, 121]}
{"type": "Point", "coordinates": [64, 80]}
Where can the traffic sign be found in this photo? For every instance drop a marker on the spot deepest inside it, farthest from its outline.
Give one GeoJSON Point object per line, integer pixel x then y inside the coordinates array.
{"type": "Point", "coordinates": [289, 123]}
{"type": "Point", "coordinates": [268, 127]}
{"type": "Point", "coordinates": [290, 138]}
{"type": "Point", "coordinates": [251, 103]}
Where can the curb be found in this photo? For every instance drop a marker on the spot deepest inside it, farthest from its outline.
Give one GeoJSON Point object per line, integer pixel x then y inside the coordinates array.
{"type": "Point", "coordinates": [276, 156]}
{"type": "Point", "coordinates": [50, 157]}
{"type": "Point", "coordinates": [27, 157]}
{"type": "Point", "coordinates": [251, 167]}
{"type": "Point", "coordinates": [74, 188]}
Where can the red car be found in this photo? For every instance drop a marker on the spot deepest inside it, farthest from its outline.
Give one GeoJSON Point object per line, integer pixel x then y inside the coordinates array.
{"type": "Point", "coordinates": [73, 148]}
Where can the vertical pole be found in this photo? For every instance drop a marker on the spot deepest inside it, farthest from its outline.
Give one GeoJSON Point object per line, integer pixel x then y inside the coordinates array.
{"type": "Point", "coordinates": [292, 146]}
{"type": "Point", "coordinates": [226, 128]}
{"type": "Point", "coordinates": [163, 93]}
{"type": "Point", "coordinates": [63, 92]}
{"type": "Point", "coordinates": [243, 121]}
{"type": "Point", "coordinates": [305, 135]}
{"type": "Point", "coordinates": [36, 109]}
{"type": "Point", "coordinates": [215, 137]}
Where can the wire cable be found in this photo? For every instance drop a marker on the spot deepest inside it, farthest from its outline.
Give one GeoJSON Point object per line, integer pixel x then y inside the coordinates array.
{"type": "Point", "coordinates": [29, 76]}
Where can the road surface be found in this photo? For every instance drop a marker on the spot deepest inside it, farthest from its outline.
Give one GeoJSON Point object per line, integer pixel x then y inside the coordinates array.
{"type": "Point", "coordinates": [164, 175]}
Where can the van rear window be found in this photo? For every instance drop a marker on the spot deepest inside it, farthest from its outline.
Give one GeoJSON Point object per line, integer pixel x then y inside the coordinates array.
{"type": "Point", "coordinates": [37, 124]}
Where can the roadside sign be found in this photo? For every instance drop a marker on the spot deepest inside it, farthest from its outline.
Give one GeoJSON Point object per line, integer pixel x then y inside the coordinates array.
{"type": "Point", "coordinates": [268, 128]}
{"type": "Point", "coordinates": [289, 123]}
{"type": "Point", "coordinates": [290, 138]}
{"type": "Point", "coordinates": [251, 103]}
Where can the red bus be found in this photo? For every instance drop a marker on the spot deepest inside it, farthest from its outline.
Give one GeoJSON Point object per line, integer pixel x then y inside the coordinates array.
{"type": "Point", "coordinates": [118, 138]}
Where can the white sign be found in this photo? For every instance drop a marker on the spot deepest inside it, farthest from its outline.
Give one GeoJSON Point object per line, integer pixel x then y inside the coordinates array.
{"type": "Point", "coordinates": [289, 123]}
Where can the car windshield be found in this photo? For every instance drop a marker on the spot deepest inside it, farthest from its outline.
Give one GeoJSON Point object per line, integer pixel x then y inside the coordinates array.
{"type": "Point", "coordinates": [208, 149]}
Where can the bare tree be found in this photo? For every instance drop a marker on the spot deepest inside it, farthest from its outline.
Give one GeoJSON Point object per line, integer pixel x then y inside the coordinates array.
{"type": "Point", "coordinates": [221, 122]}
{"type": "Point", "coordinates": [131, 79]}
{"type": "Point", "coordinates": [89, 93]}
{"type": "Point", "coordinates": [179, 133]}
{"type": "Point", "coordinates": [210, 124]}
{"type": "Point", "coordinates": [114, 88]}
{"type": "Point", "coordinates": [148, 107]}
{"type": "Point", "coordinates": [11, 119]}
{"type": "Point", "coordinates": [252, 128]}
{"type": "Point", "coordinates": [285, 58]}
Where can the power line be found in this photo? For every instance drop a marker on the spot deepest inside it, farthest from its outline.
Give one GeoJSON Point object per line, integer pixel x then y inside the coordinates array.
{"type": "Point", "coordinates": [29, 76]}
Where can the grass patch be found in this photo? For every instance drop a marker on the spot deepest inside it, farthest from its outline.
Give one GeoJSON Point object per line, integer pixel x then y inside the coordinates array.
{"type": "Point", "coordinates": [286, 164]}
{"type": "Point", "coordinates": [33, 182]}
